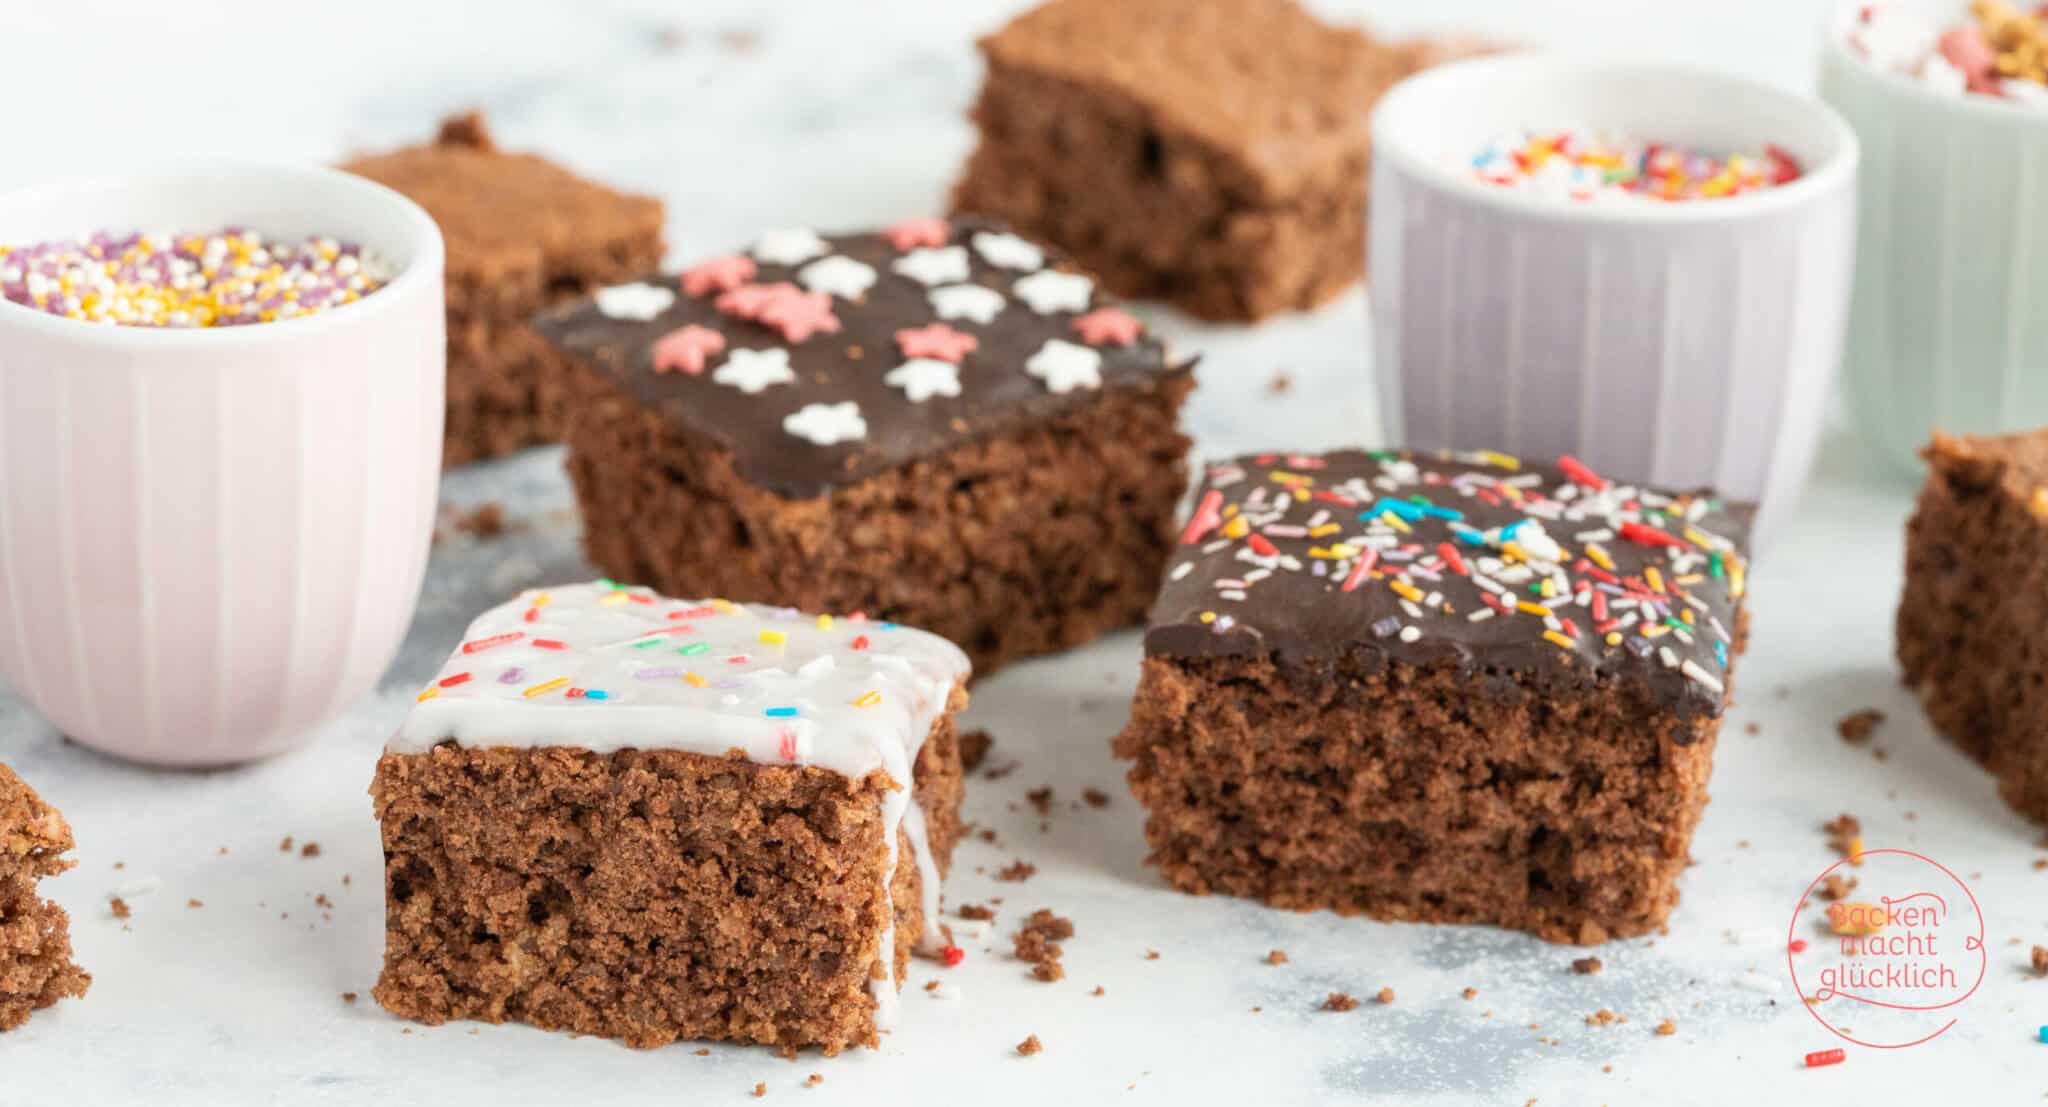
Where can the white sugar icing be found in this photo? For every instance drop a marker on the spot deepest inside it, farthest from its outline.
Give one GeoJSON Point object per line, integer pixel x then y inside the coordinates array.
{"type": "Point", "coordinates": [573, 666]}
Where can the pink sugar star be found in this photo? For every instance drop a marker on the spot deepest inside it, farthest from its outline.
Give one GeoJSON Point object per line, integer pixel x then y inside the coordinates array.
{"type": "Point", "coordinates": [1108, 327]}
{"type": "Point", "coordinates": [686, 349]}
{"type": "Point", "coordinates": [913, 233]}
{"type": "Point", "coordinates": [748, 301]}
{"type": "Point", "coordinates": [799, 315]}
{"type": "Point", "coordinates": [718, 275]}
{"type": "Point", "coordinates": [936, 340]}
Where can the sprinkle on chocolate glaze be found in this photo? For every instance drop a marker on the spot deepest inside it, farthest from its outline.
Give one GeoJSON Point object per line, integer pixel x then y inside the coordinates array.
{"type": "Point", "coordinates": [773, 354]}
{"type": "Point", "coordinates": [1505, 566]}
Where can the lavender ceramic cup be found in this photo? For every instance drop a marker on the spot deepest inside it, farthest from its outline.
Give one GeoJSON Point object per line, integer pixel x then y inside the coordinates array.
{"type": "Point", "coordinates": [1686, 345]}
{"type": "Point", "coordinates": [211, 541]}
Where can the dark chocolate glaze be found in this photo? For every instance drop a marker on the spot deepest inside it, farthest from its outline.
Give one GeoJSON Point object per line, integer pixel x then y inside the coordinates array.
{"type": "Point", "coordinates": [1296, 613]}
{"type": "Point", "coordinates": [996, 394]}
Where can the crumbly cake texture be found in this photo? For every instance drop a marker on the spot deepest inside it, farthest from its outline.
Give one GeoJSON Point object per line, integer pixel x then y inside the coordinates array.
{"type": "Point", "coordinates": [521, 233]}
{"type": "Point", "coordinates": [620, 814]}
{"type": "Point", "coordinates": [1441, 688]}
{"type": "Point", "coordinates": [1211, 153]}
{"type": "Point", "coordinates": [1971, 636]}
{"type": "Point", "coordinates": [941, 423]}
{"type": "Point", "coordinates": [35, 934]}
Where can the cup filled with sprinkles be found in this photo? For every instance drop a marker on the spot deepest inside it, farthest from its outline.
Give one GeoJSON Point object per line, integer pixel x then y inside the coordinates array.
{"type": "Point", "coordinates": [220, 429]}
{"type": "Point", "coordinates": [1948, 327]}
{"type": "Point", "coordinates": [1640, 265]}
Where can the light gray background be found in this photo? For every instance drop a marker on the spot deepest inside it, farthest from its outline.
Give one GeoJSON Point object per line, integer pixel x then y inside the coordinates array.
{"type": "Point", "coordinates": [750, 115]}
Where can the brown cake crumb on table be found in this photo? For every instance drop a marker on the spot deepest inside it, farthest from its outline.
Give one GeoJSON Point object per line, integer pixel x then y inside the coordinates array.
{"type": "Point", "coordinates": [522, 233]}
{"type": "Point", "coordinates": [1973, 622]}
{"type": "Point", "coordinates": [35, 936]}
{"type": "Point", "coordinates": [1586, 966]}
{"type": "Point", "coordinates": [1030, 1046]}
{"type": "Point", "coordinates": [1339, 1001]}
{"type": "Point", "coordinates": [1211, 153]}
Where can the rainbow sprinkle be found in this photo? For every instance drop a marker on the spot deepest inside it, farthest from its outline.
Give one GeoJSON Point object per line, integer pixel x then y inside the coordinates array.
{"type": "Point", "coordinates": [1585, 167]}
{"type": "Point", "coordinates": [226, 279]}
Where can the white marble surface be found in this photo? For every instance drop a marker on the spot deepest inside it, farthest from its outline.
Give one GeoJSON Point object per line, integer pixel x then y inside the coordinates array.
{"type": "Point", "coordinates": [745, 115]}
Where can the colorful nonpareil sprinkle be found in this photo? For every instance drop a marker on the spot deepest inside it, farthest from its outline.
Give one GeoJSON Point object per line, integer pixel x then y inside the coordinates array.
{"type": "Point", "coordinates": [224, 279]}
{"type": "Point", "coordinates": [1999, 51]}
{"type": "Point", "coordinates": [1583, 166]}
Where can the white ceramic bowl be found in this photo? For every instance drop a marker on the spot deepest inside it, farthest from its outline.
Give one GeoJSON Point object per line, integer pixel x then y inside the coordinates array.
{"type": "Point", "coordinates": [1687, 344]}
{"type": "Point", "coordinates": [1949, 325]}
{"type": "Point", "coordinates": [212, 540]}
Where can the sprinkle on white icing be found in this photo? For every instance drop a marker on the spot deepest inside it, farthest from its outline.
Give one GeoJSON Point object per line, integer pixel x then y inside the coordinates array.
{"type": "Point", "coordinates": [1050, 290]}
{"type": "Point", "coordinates": [606, 668]}
{"type": "Point", "coordinates": [1065, 366]}
{"type": "Point", "coordinates": [750, 371]}
{"type": "Point", "coordinates": [921, 378]}
{"type": "Point", "coordinates": [972, 302]}
{"type": "Point", "coordinates": [638, 302]}
{"type": "Point", "coordinates": [790, 246]}
{"type": "Point", "coordinates": [932, 265]}
{"type": "Point", "coordinates": [839, 276]}
{"type": "Point", "coordinates": [826, 424]}
{"type": "Point", "coordinates": [1008, 251]}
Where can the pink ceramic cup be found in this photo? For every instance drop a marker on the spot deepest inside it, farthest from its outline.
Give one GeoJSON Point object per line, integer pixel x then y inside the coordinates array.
{"type": "Point", "coordinates": [211, 541]}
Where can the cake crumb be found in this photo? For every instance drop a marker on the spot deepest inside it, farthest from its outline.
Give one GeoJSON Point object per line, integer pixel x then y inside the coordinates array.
{"type": "Point", "coordinates": [1276, 957]}
{"type": "Point", "coordinates": [1385, 996]}
{"type": "Point", "coordinates": [1835, 887]}
{"type": "Point", "coordinates": [975, 912]}
{"type": "Point", "coordinates": [703, 1052]}
{"type": "Point", "coordinates": [120, 907]}
{"type": "Point", "coordinates": [760, 1091]}
{"type": "Point", "coordinates": [1151, 955]}
{"type": "Point", "coordinates": [1844, 833]}
{"type": "Point", "coordinates": [1030, 1046]}
{"type": "Point", "coordinates": [2040, 958]}
{"type": "Point", "coordinates": [1470, 993]}
{"type": "Point", "coordinates": [311, 849]}
{"type": "Point", "coordinates": [348, 997]}
{"type": "Point", "coordinates": [1017, 872]}
{"type": "Point", "coordinates": [193, 904]}
{"type": "Point", "coordinates": [286, 845]}
{"type": "Point", "coordinates": [1338, 1001]}
{"type": "Point", "coordinates": [815, 1079]}
{"type": "Point", "coordinates": [1587, 966]}
{"type": "Point", "coordinates": [1859, 725]}
{"type": "Point", "coordinates": [1667, 1028]}
{"type": "Point", "coordinates": [1098, 991]}
{"type": "Point", "coordinates": [1602, 1017]}
{"type": "Point", "coordinates": [484, 521]}
{"type": "Point", "coordinates": [1095, 797]}
{"type": "Point", "coordinates": [1041, 799]}
{"type": "Point", "coordinates": [974, 746]}
{"type": "Point", "coordinates": [1281, 382]}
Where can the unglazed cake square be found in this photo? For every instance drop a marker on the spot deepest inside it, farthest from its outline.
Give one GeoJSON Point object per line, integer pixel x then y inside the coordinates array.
{"type": "Point", "coordinates": [941, 423]}
{"type": "Point", "coordinates": [35, 934]}
{"type": "Point", "coordinates": [1211, 153]}
{"type": "Point", "coordinates": [1971, 633]}
{"type": "Point", "coordinates": [621, 814]}
{"type": "Point", "coordinates": [1446, 688]}
{"type": "Point", "coordinates": [521, 233]}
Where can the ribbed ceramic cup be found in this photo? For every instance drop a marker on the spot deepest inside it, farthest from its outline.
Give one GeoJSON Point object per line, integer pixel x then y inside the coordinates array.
{"type": "Point", "coordinates": [1687, 344]}
{"type": "Point", "coordinates": [1949, 324]}
{"type": "Point", "coordinates": [211, 541]}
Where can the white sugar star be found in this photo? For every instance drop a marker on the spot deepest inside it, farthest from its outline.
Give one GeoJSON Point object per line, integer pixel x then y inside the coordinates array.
{"type": "Point", "coordinates": [839, 276]}
{"type": "Point", "coordinates": [1065, 366]}
{"type": "Point", "coordinates": [826, 424]}
{"type": "Point", "coordinates": [921, 378]}
{"type": "Point", "coordinates": [750, 371]}
{"type": "Point", "coordinates": [967, 301]}
{"type": "Point", "coordinates": [789, 246]}
{"type": "Point", "coordinates": [1008, 251]}
{"type": "Point", "coordinates": [636, 301]}
{"type": "Point", "coordinates": [1050, 290]}
{"type": "Point", "coordinates": [933, 265]}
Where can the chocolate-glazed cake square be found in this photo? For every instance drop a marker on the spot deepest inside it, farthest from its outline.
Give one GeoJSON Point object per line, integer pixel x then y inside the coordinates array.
{"type": "Point", "coordinates": [941, 423]}
{"type": "Point", "coordinates": [1456, 688]}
